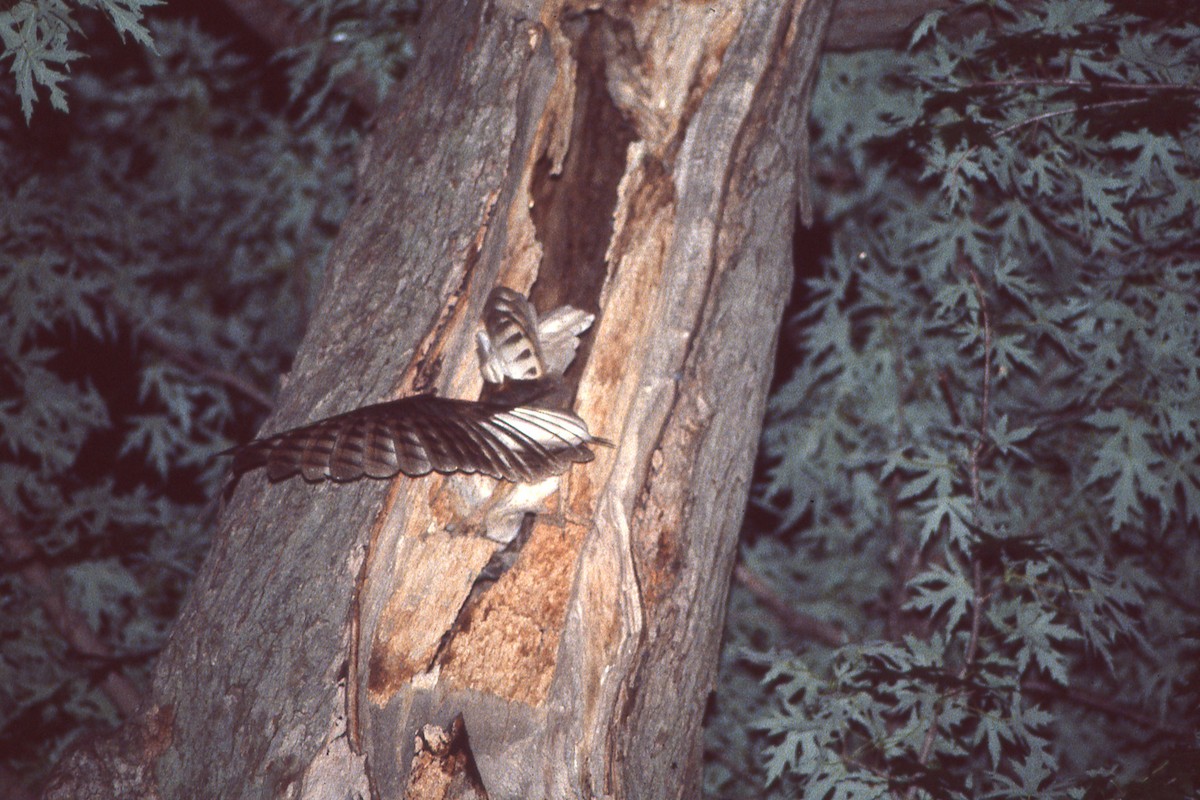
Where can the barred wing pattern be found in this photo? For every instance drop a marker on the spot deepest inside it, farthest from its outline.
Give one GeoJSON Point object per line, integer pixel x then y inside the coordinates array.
{"type": "Point", "coordinates": [517, 346]}
{"type": "Point", "coordinates": [422, 434]}
{"type": "Point", "coordinates": [509, 344]}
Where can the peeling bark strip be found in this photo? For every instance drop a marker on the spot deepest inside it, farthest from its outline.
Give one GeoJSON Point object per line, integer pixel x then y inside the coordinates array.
{"type": "Point", "coordinates": [635, 160]}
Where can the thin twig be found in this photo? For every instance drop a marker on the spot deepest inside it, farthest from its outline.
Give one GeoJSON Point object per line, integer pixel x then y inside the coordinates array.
{"type": "Point", "coordinates": [1045, 116]}
{"type": "Point", "coordinates": [1075, 82]}
{"type": "Point", "coordinates": [986, 387]}
{"type": "Point", "coordinates": [927, 744]}
{"type": "Point", "coordinates": [948, 398]}
{"type": "Point", "coordinates": [184, 359]}
{"type": "Point", "coordinates": [1074, 110]}
{"type": "Point", "coordinates": [1103, 704]}
{"type": "Point", "coordinates": [978, 598]}
{"type": "Point", "coordinates": [12, 782]}
{"type": "Point", "coordinates": [977, 602]}
{"type": "Point", "coordinates": [279, 23]}
{"type": "Point", "coordinates": [902, 568]}
{"type": "Point", "coordinates": [976, 452]}
{"type": "Point", "coordinates": [906, 562]}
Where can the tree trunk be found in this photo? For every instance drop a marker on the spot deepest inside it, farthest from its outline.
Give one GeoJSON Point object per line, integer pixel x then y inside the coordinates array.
{"type": "Point", "coordinates": [641, 161]}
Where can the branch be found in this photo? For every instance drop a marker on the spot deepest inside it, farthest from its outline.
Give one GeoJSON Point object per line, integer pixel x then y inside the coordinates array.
{"type": "Point", "coordinates": [1073, 110]}
{"type": "Point", "coordinates": [67, 621]}
{"type": "Point", "coordinates": [1102, 703]}
{"type": "Point", "coordinates": [278, 23]}
{"type": "Point", "coordinates": [1071, 82]}
{"type": "Point", "coordinates": [1045, 116]}
{"type": "Point", "coordinates": [796, 621]}
{"type": "Point", "coordinates": [189, 362]}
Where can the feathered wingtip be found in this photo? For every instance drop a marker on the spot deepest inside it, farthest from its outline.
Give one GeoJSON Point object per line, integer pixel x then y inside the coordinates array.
{"type": "Point", "coordinates": [251, 455]}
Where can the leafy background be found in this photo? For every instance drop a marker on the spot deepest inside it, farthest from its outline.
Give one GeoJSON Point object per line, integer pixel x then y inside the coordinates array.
{"type": "Point", "coordinates": [970, 563]}
{"type": "Point", "coordinates": [160, 249]}
{"type": "Point", "coordinates": [975, 526]}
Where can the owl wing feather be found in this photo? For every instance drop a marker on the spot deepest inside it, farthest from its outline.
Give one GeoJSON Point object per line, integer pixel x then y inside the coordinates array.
{"type": "Point", "coordinates": [517, 345]}
{"type": "Point", "coordinates": [514, 436]}
{"type": "Point", "coordinates": [509, 346]}
{"type": "Point", "coordinates": [422, 434]}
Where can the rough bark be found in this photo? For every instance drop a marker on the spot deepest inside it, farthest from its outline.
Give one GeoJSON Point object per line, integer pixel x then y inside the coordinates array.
{"type": "Point", "coordinates": [639, 160]}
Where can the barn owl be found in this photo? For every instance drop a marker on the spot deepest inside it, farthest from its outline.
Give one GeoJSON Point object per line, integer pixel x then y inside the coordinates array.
{"type": "Point", "coordinates": [522, 442]}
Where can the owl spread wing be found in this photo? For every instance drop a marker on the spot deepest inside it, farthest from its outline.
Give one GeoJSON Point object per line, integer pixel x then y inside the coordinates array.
{"type": "Point", "coordinates": [518, 440]}
{"type": "Point", "coordinates": [422, 434]}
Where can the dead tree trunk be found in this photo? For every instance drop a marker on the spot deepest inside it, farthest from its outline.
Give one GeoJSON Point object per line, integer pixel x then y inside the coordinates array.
{"type": "Point", "coordinates": [642, 161]}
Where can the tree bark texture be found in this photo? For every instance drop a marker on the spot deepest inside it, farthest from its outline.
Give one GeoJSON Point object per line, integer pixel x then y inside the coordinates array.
{"type": "Point", "coordinates": [639, 160]}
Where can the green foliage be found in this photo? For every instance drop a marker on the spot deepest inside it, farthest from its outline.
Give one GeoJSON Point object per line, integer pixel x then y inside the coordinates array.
{"type": "Point", "coordinates": [35, 36]}
{"type": "Point", "coordinates": [984, 469]}
{"type": "Point", "coordinates": [160, 250]}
